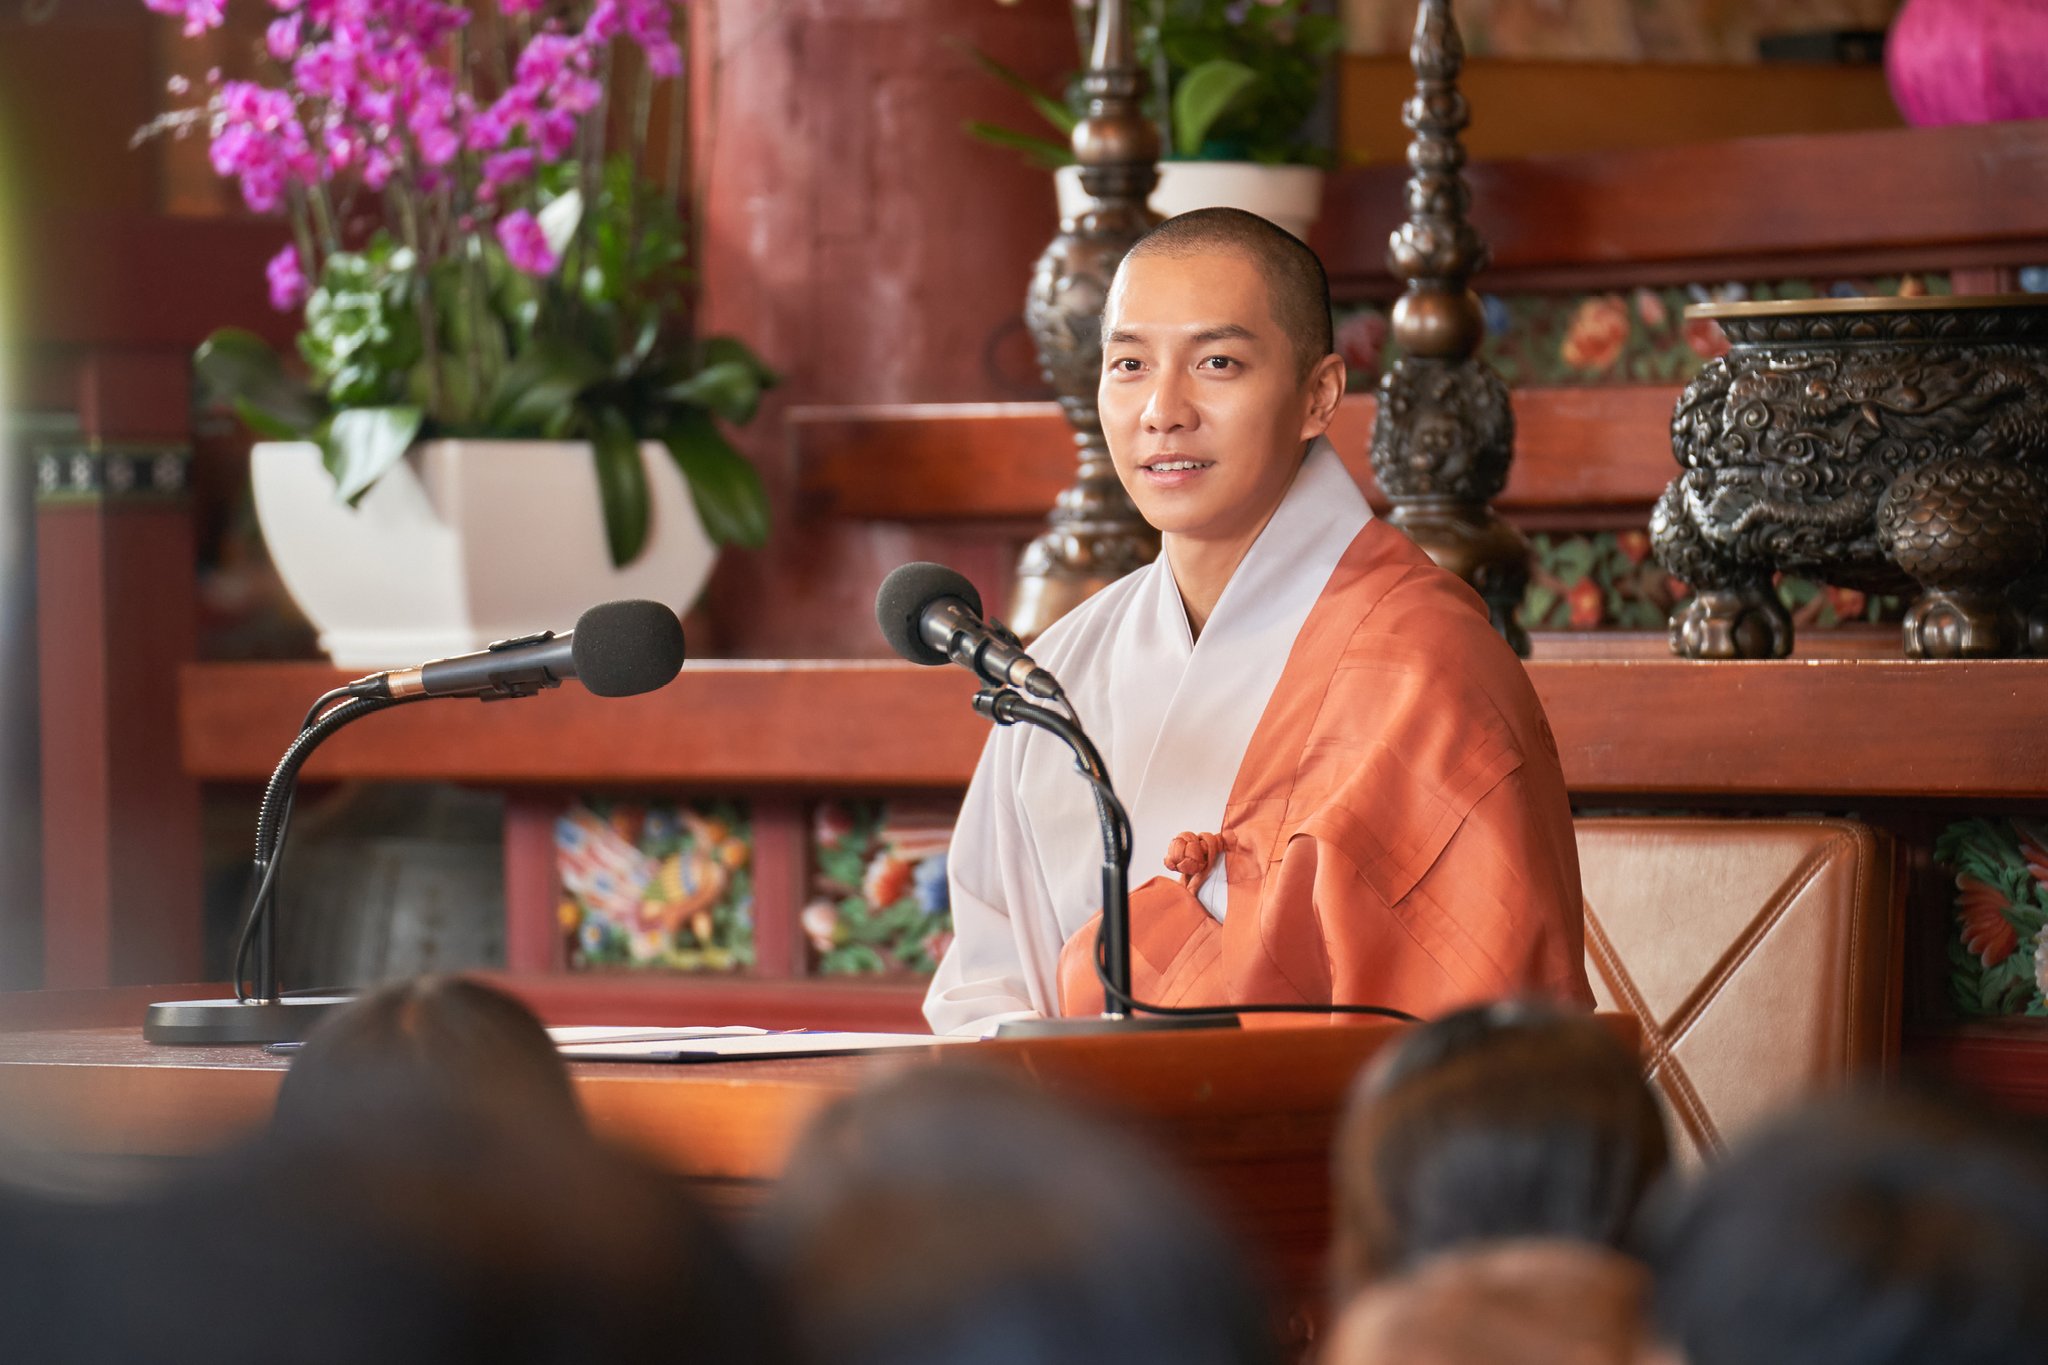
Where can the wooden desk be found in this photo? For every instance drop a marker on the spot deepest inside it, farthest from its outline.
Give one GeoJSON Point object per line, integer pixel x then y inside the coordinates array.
{"type": "Point", "coordinates": [1250, 1115]}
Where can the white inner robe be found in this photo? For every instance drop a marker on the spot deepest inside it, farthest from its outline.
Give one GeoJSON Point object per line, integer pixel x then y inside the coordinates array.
{"type": "Point", "coordinates": [1172, 716]}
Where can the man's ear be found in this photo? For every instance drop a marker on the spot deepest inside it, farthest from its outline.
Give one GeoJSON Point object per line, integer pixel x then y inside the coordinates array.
{"type": "Point", "coordinates": [1325, 389]}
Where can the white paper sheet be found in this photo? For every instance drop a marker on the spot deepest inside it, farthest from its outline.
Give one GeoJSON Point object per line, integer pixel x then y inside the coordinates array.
{"type": "Point", "coordinates": [583, 1035]}
{"type": "Point", "coordinates": [753, 1046]}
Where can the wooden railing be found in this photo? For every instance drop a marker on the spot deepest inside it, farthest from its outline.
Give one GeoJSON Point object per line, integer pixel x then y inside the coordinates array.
{"type": "Point", "coordinates": [1577, 451]}
{"type": "Point", "coordinates": [1944, 199]}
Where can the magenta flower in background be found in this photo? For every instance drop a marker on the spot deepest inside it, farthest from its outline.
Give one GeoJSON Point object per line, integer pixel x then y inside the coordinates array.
{"type": "Point", "coordinates": [505, 168]}
{"type": "Point", "coordinates": [259, 142]}
{"type": "Point", "coordinates": [375, 99]}
{"type": "Point", "coordinates": [199, 15]}
{"type": "Point", "coordinates": [281, 39]}
{"type": "Point", "coordinates": [287, 280]}
{"type": "Point", "coordinates": [526, 246]}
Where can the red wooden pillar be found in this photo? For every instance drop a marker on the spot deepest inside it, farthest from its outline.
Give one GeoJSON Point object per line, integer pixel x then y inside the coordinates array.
{"type": "Point", "coordinates": [115, 592]}
{"type": "Point", "coordinates": [534, 937]}
{"type": "Point", "coordinates": [870, 251]}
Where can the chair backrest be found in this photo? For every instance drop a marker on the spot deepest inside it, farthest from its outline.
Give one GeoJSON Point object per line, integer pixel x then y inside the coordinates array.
{"type": "Point", "coordinates": [1762, 958]}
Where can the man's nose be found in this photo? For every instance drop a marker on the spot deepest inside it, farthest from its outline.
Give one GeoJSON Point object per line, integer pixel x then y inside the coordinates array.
{"type": "Point", "coordinates": [1168, 406]}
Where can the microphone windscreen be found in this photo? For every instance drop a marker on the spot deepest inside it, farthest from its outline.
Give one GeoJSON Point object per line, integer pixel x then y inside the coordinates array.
{"type": "Point", "coordinates": [622, 649]}
{"type": "Point", "coordinates": [901, 604]}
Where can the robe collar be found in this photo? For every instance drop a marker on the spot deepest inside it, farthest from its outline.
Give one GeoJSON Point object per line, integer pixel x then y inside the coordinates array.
{"type": "Point", "coordinates": [1227, 675]}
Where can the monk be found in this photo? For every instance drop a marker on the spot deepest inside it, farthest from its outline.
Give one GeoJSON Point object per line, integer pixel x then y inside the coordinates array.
{"type": "Point", "coordinates": [1341, 785]}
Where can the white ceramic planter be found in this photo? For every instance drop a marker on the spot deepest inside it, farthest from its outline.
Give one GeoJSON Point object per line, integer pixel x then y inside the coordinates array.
{"type": "Point", "coordinates": [1291, 196]}
{"type": "Point", "coordinates": [463, 543]}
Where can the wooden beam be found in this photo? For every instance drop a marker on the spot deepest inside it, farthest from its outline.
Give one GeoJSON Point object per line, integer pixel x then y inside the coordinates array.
{"type": "Point", "coordinates": [1734, 209]}
{"type": "Point", "coordinates": [1825, 728]}
{"type": "Point", "coordinates": [1586, 447]}
{"type": "Point", "coordinates": [1540, 106]}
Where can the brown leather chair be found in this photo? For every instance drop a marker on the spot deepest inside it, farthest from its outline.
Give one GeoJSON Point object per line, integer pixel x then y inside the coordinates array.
{"type": "Point", "coordinates": [1761, 957]}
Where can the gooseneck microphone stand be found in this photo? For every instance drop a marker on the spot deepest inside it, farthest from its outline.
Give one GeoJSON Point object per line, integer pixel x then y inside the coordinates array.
{"type": "Point", "coordinates": [259, 1012]}
{"type": "Point", "coordinates": [1113, 930]}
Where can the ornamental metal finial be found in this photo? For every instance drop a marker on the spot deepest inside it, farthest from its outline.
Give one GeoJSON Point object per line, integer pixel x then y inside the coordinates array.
{"type": "Point", "coordinates": [1444, 432]}
{"type": "Point", "coordinates": [1094, 535]}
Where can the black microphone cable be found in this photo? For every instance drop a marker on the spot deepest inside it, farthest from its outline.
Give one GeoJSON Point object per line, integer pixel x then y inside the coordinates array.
{"type": "Point", "coordinates": [1116, 836]}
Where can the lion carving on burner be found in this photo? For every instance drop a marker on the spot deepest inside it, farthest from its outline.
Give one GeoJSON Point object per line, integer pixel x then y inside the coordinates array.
{"type": "Point", "coordinates": [1900, 450]}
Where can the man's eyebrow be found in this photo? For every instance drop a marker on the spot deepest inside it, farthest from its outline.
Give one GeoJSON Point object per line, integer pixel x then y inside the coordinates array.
{"type": "Point", "coordinates": [1222, 331]}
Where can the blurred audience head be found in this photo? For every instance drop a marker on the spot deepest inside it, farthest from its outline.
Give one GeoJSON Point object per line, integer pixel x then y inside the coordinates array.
{"type": "Point", "coordinates": [536, 1252]}
{"type": "Point", "coordinates": [428, 1193]}
{"type": "Point", "coordinates": [1529, 1302]}
{"type": "Point", "coordinates": [430, 1059]}
{"type": "Point", "coordinates": [1502, 1121]}
{"type": "Point", "coordinates": [1872, 1229]}
{"type": "Point", "coordinates": [953, 1216]}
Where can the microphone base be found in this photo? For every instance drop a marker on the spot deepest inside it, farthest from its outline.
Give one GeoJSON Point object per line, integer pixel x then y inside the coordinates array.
{"type": "Point", "coordinates": [204, 1022]}
{"type": "Point", "coordinates": [1096, 1024]}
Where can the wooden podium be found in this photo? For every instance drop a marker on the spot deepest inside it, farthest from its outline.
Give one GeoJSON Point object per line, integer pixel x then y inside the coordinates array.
{"type": "Point", "coordinates": [1249, 1114]}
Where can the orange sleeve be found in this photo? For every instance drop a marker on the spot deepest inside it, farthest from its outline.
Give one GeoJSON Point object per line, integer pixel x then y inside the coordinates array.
{"type": "Point", "coordinates": [1497, 914]}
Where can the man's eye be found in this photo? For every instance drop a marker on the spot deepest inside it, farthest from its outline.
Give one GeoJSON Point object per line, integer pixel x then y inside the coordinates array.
{"type": "Point", "coordinates": [1124, 365]}
{"type": "Point", "coordinates": [1217, 362]}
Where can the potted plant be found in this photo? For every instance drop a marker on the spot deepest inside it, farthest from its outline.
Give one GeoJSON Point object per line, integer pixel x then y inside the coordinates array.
{"type": "Point", "coordinates": [1235, 86]}
{"type": "Point", "coordinates": [500, 414]}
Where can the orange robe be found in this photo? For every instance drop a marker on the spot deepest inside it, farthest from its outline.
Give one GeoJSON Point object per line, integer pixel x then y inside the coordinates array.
{"type": "Point", "coordinates": [1397, 834]}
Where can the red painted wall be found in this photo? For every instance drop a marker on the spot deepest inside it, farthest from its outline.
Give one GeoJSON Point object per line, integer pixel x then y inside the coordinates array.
{"type": "Point", "coordinates": [872, 252]}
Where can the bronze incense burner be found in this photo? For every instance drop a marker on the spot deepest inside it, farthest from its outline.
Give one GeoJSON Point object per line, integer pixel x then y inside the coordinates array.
{"type": "Point", "coordinates": [1887, 445]}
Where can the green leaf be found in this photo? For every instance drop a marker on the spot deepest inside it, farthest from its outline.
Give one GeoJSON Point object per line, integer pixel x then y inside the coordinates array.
{"type": "Point", "coordinates": [721, 349]}
{"type": "Point", "coordinates": [726, 488]}
{"type": "Point", "coordinates": [540, 388]}
{"type": "Point", "coordinates": [362, 443]}
{"type": "Point", "coordinates": [1051, 110]}
{"type": "Point", "coordinates": [731, 389]}
{"type": "Point", "coordinates": [1573, 560]}
{"type": "Point", "coordinates": [621, 484]}
{"type": "Point", "coordinates": [1042, 152]}
{"type": "Point", "coordinates": [1204, 95]}
{"type": "Point", "coordinates": [238, 368]}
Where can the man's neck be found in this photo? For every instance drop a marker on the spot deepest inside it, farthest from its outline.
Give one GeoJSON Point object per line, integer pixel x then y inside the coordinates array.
{"type": "Point", "coordinates": [1203, 568]}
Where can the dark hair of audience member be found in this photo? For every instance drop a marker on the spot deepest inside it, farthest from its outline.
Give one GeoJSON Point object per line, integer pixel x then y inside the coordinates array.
{"type": "Point", "coordinates": [1501, 1121]}
{"type": "Point", "coordinates": [1532, 1302]}
{"type": "Point", "coordinates": [951, 1216]}
{"type": "Point", "coordinates": [1297, 286]}
{"type": "Point", "coordinates": [427, 1194]}
{"type": "Point", "coordinates": [429, 1059]}
{"type": "Point", "coordinates": [1872, 1229]}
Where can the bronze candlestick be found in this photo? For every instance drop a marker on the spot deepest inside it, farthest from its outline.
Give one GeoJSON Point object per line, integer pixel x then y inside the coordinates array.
{"type": "Point", "coordinates": [1094, 535]}
{"type": "Point", "coordinates": [1444, 432]}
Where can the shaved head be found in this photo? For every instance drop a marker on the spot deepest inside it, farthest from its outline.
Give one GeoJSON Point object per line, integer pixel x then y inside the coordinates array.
{"type": "Point", "coordinates": [1297, 289]}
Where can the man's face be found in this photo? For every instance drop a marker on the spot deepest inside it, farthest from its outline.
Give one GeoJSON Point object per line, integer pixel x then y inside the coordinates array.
{"type": "Point", "coordinates": [1202, 397]}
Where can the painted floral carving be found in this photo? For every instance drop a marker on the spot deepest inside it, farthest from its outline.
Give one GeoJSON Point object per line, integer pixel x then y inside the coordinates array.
{"type": "Point", "coordinates": [1998, 956]}
{"type": "Point", "coordinates": [1545, 339]}
{"type": "Point", "coordinates": [1981, 916]}
{"type": "Point", "coordinates": [879, 900]}
{"type": "Point", "coordinates": [658, 884]}
{"type": "Point", "coordinates": [1606, 580]}
{"type": "Point", "coordinates": [1599, 330]}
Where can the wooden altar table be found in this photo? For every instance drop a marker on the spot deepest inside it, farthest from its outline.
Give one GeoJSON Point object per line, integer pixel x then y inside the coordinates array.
{"type": "Point", "coordinates": [1249, 1114]}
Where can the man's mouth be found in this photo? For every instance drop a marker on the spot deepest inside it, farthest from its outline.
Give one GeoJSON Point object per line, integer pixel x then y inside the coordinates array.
{"type": "Point", "coordinates": [1175, 464]}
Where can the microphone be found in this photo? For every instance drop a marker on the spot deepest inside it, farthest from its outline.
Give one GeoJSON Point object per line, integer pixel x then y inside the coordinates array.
{"type": "Point", "coordinates": [930, 614]}
{"type": "Point", "coordinates": [618, 649]}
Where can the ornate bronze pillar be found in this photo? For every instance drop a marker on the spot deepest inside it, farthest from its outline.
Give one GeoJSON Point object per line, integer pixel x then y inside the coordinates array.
{"type": "Point", "coordinates": [1093, 536]}
{"type": "Point", "coordinates": [1444, 433]}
